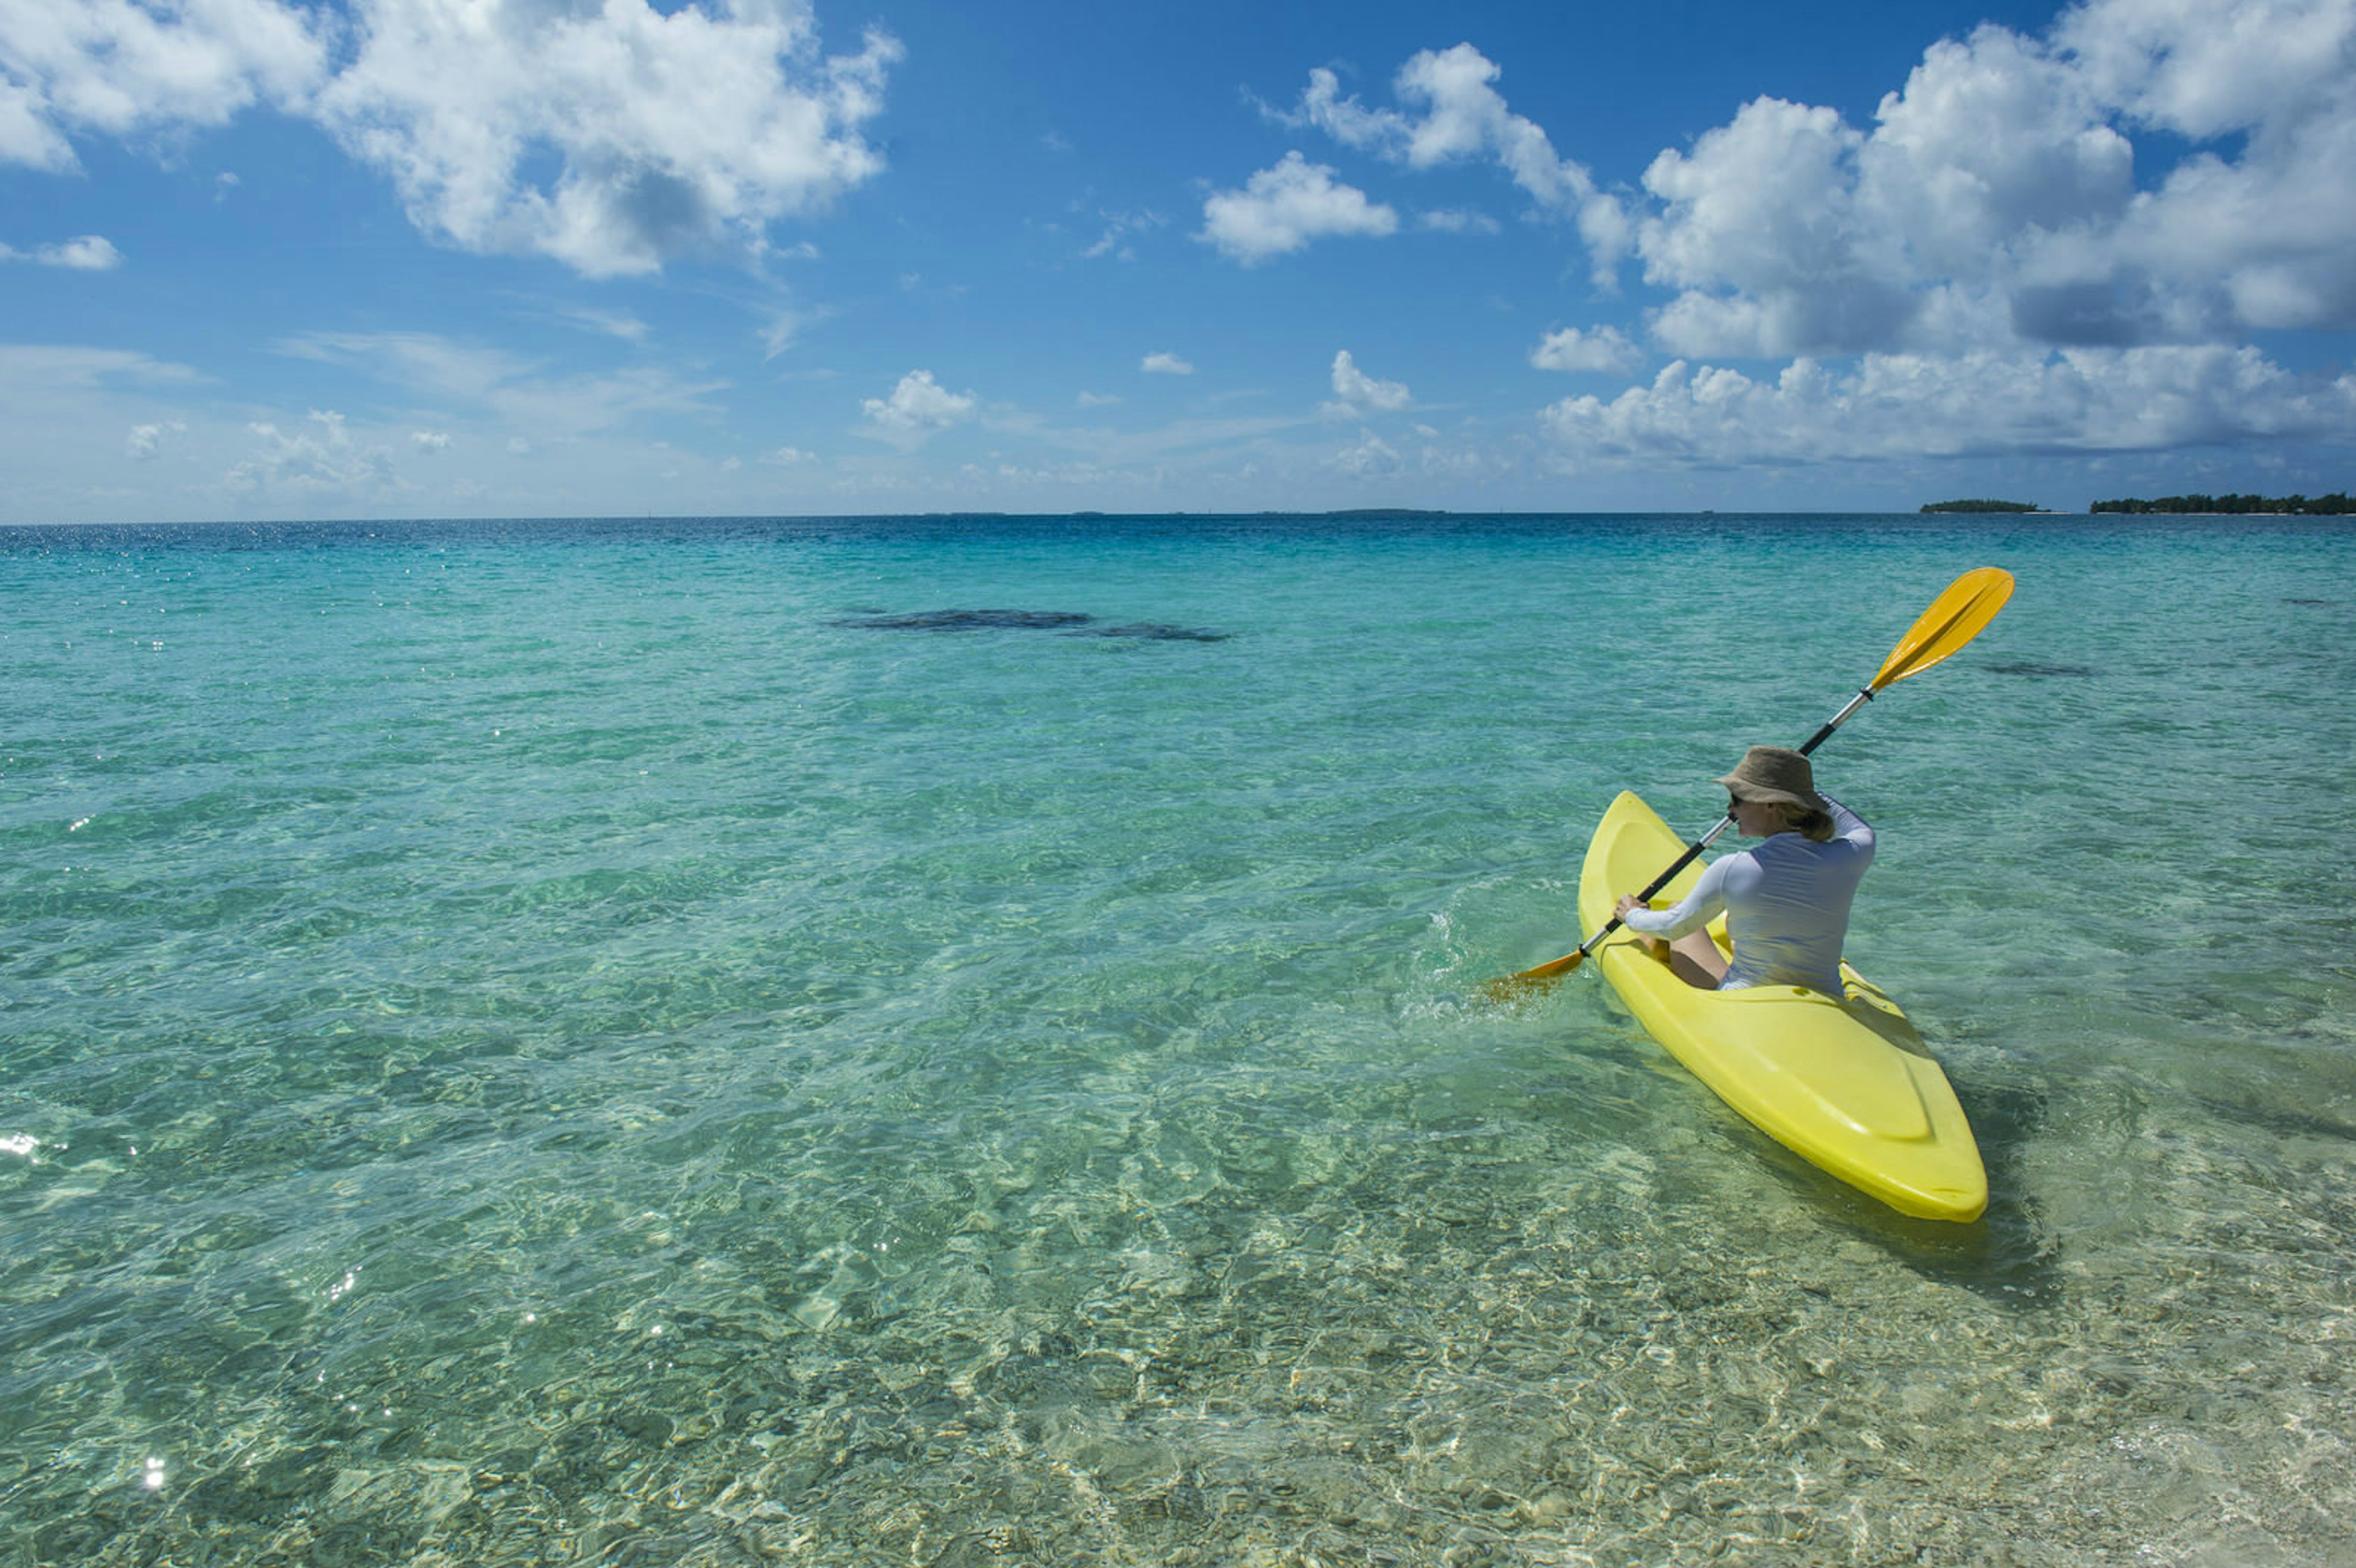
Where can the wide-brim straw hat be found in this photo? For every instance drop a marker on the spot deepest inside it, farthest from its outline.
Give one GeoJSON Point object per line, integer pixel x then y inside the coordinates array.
{"type": "Point", "coordinates": [1774, 773]}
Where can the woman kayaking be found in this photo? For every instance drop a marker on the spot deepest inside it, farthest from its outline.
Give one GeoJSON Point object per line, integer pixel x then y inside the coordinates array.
{"type": "Point", "coordinates": [1786, 901]}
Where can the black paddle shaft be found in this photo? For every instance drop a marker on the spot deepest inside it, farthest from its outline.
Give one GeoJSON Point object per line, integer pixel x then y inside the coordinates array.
{"type": "Point", "coordinates": [1864, 696]}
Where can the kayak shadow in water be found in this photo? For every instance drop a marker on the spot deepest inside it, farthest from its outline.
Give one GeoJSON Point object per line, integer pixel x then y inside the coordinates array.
{"type": "Point", "coordinates": [2006, 1254]}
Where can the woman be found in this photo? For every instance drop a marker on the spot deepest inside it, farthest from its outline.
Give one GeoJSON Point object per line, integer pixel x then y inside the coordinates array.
{"type": "Point", "coordinates": [1787, 900]}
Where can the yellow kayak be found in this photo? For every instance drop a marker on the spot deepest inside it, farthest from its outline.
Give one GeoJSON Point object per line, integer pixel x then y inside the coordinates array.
{"type": "Point", "coordinates": [1846, 1085]}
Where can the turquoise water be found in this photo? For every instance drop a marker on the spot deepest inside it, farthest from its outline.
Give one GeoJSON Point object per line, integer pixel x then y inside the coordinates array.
{"type": "Point", "coordinates": [568, 1043]}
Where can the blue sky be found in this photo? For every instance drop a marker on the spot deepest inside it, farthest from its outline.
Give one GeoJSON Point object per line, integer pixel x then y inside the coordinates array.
{"type": "Point", "coordinates": [403, 258]}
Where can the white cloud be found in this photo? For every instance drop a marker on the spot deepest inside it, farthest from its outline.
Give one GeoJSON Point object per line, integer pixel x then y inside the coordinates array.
{"type": "Point", "coordinates": [146, 441]}
{"type": "Point", "coordinates": [2206, 68]}
{"type": "Point", "coordinates": [415, 359]}
{"type": "Point", "coordinates": [32, 376]}
{"type": "Point", "coordinates": [1165, 364]}
{"type": "Point", "coordinates": [661, 133]}
{"type": "Point", "coordinates": [675, 132]}
{"type": "Point", "coordinates": [1282, 209]}
{"type": "Point", "coordinates": [784, 329]}
{"type": "Point", "coordinates": [121, 69]}
{"type": "Point", "coordinates": [1994, 202]}
{"type": "Point", "coordinates": [1371, 458]}
{"type": "Point", "coordinates": [1601, 348]}
{"type": "Point", "coordinates": [1765, 206]}
{"type": "Point", "coordinates": [322, 459]}
{"type": "Point", "coordinates": [789, 457]}
{"type": "Point", "coordinates": [1098, 400]}
{"type": "Point", "coordinates": [1457, 220]}
{"type": "Point", "coordinates": [1118, 227]}
{"type": "Point", "coordinates": [429, 440]}
{"type": "Point", "coordinates": [1463, 116]}
{"type": "Point", "coordinates": [1988, 140]}
{"type": "Point", "coordinates": [917, 406]}
{"type": "Point", "coordinates": [89, 253]}
{"type": "Point", "coordinates": [1358, 390]}
{"type": "Point", "coordinates": [1908, 405]}
{"type": "Point", "coordinates": [512, 388]}
{"type": "Point", "coordinates": [610, 323]}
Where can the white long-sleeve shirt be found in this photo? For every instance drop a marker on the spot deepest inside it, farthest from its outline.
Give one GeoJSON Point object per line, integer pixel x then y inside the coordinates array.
{"type": "Point", "coordinates": [1787, 903]}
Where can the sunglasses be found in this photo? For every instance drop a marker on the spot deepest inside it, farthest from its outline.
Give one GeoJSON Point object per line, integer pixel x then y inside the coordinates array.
{"type": "Point", "coordinates": [1733, 805]}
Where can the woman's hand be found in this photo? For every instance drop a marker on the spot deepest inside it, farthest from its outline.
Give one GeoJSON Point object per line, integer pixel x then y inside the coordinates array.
{"type": "Point", "coordinates": [1628, 902]}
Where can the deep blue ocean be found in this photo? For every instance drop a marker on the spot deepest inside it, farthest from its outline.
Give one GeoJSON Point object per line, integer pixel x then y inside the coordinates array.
{"type": "Point", "coordinates": [961, 1041]}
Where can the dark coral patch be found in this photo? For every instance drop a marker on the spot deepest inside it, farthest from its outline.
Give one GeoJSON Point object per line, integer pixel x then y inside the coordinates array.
{"type": "Point", "coordinates": [1155, 632]}
{"type": "Point", "coordinates": [1070, 622]}
{"type": "Point", "coordinates": [971, 620]}
{"type": "Point", "coordinates": [2031, 667]}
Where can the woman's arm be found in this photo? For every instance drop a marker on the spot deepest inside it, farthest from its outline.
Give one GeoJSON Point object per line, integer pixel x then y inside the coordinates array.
{"type": "Point", "coordinates": [1848, 824]}
{"type": "Point", "coordinates": [1691, 913]}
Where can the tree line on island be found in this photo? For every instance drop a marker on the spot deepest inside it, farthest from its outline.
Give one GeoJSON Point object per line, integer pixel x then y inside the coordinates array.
{"type": "Point", "coordinates": [2334, 506]}
{"type": "Point", "coordinates": [2295, 506]}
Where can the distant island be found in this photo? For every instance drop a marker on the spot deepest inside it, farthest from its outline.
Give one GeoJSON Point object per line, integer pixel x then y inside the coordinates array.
{"type": "Point", "coordinates": [1982, 506]}
{"type": "Point", "coordinates": [2297, 505]}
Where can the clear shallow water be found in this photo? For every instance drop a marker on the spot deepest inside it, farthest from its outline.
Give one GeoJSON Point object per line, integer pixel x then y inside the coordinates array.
{"type": "Point", "coordinates": [540, 1043]}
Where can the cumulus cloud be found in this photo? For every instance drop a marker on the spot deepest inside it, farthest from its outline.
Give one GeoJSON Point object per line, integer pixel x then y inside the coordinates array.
{"type": "Point", "coordinates": [321, 458]}
{"type": "Point", "coordinates": [1280, 209]}
{"type": "Point", "coordinates": [146, 441]}
{"type": "Point", "coordinates": [1371, 458]}
{"type": "Point", "coordinates": [89, 253]}
{"type": "Point", "coordinates": [118, 67]}
{"type": "Point", "coordinates": [1598, 348]}
{"type": "Point", "coordinates": [1909, 405]}
{"type": "Point", "coordinates": [917, 406]}
{"type": "Point", "coordinates": [675, 132]}
{"type": "Point", "coordinates": [1457, 115]}
{"type": "Point", "coordinates": [1164, 364]}
{"type": "Point", "coordinates": [1981, 264]}
{"type": "Point", "coordinates": [607, 134]}
{"type": "Point", "coordinates": [1994, 202]}
{"type": "Point", "coordinates": [1359, 390]}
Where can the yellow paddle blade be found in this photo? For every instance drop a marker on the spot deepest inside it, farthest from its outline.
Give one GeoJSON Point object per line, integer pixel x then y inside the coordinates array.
{"type": "Point", "coordinates": [1512, 988]}
{"type": "Point", "coordinates": [1549, 970]}
{"type": "Point", "coordinates": [1954, 618]}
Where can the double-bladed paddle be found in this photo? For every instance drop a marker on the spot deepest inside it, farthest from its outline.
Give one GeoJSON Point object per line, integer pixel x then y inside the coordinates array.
{"type": "Point", "coordinates": [1954, 618]}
